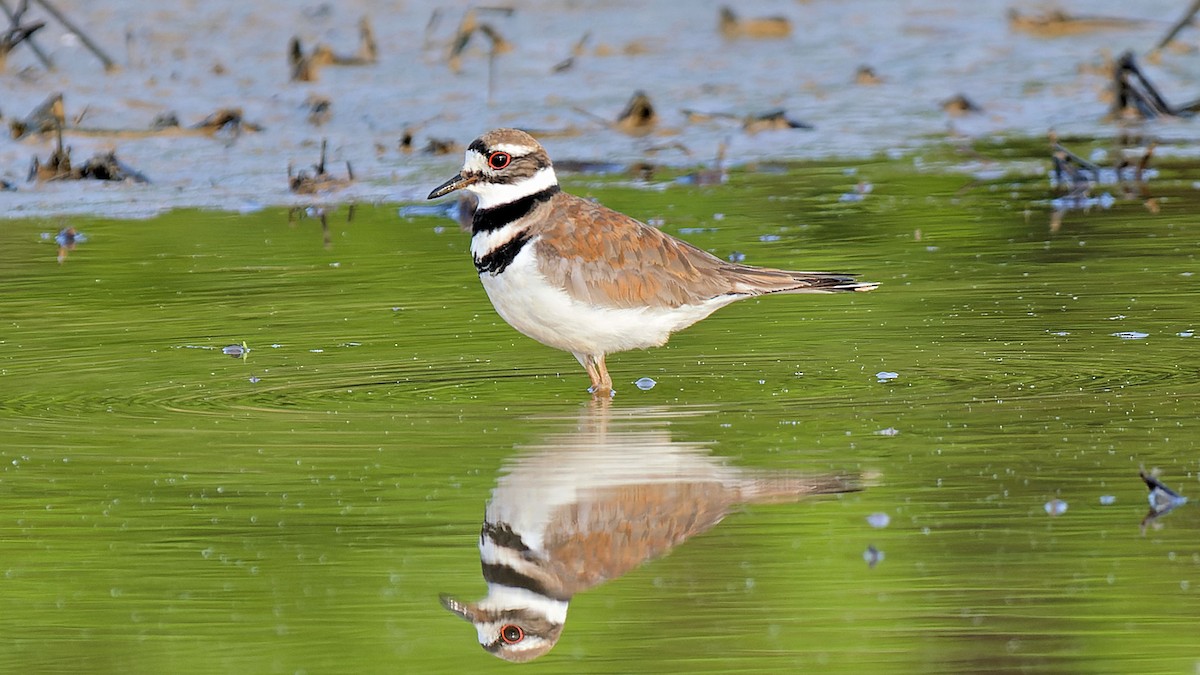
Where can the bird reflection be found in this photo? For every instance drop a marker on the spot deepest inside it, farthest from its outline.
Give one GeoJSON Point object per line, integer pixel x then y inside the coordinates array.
{"type": "Point", "coordinates": [582, 508]}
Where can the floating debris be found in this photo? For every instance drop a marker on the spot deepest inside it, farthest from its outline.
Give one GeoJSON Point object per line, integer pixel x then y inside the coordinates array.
{"type": "Point", "coordinates": [960, 105]}
{"type": "Point", "coordinates": [74, 29]}
{"type": "Point", "coordinates": [102, 166]}
{"type": "Point", "coordinates": [764, 28]}
{"type": "Point", "coordinates": [320, 109]}
{"type": "Point", "coordinates": [1163, 499]}
{"type": "Point", "coordinates": [1076, 177]}
{"type": "Point", "coordinates": [236, 351]}
{"type": "Point", "coordinates": [48, 117]}
{"type": "Point", "coordinates": [106, 166]}
{"type": "Point", "coordinates": [254, 379]}
{"type": "Point", "coordinates": [1131, 335]}
{"type": "Point", "coordinates": [18, 32]}
{"type": "Point", "coordinates": [1107, 500]}
{"type": "Point", "coordinates": [645, 383]}
{"type": "Point", "coordinates": [306, 67]}
{"type": "Point", "coordinates": [1055, 507]}
{"type": "Point", "coordinates": [67, 238]}
{"type": "Point", "coordinates": [872, 556]}
{"type": "Point", "coordinates": [717, 175]}
{"type": "Point", "coordinates": [226, 120]}
{"type": "Point", "coordinates": [467, 29]}
{"type": "Point", "coordinates": [576, 52]}
{"type": "Point", "coordinates": [773, 120]}
{"type": "Point", "coordinates": [441, 146]}
{"type": "Point", "coordinates": [866, 76]}
{"type": "Point", "coordinates": [1057, 23]}
{"type": "Point", "coordinates": [165, 120]}
{"type": "Point", "coordinates": [890, 431]}
{"type": "Point", "coordinates": [1135, 96]}
{"type": "Point", "coordinates": [879, 520]}
{"type": "Point", "coordinates": [736, 257]}
{"type": "Point", "coordinates": [305, 183]}
{"type": "Point", "coordinates": [639, 117]}
{"type": "Point", "coordinates": [886, 376]}
{"type": "Point", "coordinates": [861, 190]}
{"type": "Point", "coordinates": [1184, 20]}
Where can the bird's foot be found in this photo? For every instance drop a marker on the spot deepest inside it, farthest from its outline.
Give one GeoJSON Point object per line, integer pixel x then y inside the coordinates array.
{"type": "Point", "coordinates": [598, 392]}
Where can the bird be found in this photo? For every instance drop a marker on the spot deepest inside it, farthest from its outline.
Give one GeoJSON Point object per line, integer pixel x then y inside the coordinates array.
{"type": "Point", "coordinates": [580, 277]}
{"type": "Point", "coordinates": [548, 535]}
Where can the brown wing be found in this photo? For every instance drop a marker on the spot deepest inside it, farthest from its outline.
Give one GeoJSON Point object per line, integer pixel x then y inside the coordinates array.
{"type": "Point", "coordinates": [613, 530]}
{"type": "Point", "coordinates": [604, 257]}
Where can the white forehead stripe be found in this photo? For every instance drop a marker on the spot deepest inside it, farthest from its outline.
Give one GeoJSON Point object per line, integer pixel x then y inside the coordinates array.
{"type": "Point", "coordinates": [496, 194]}
{"type": "Point", "coordinates": [474, 162]}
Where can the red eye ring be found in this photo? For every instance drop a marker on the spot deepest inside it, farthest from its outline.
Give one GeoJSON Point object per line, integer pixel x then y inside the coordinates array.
{"type": "Point", "coordinates": [498, 160]}
{"type": "Point", "coordinates": [511, 633]}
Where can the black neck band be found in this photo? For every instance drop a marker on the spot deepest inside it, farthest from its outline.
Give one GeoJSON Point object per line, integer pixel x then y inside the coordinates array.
{"type": "Point", "coordinates": [488, 220]}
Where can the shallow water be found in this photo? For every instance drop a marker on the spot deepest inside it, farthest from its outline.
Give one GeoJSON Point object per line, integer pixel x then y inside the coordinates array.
{"type": "Point", "coordinates": [169, 508]}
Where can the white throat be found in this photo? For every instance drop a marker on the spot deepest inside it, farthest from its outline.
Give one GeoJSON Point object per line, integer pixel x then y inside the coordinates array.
{"type": "Point", "coordinates": [498, 194]}
{"type": "Point", "coordinates": [501, 597]}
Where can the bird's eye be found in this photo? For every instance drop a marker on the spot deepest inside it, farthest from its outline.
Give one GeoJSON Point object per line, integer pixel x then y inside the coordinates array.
{"type": "Point", "coordinates": [499, 160]}
{"type": "Point", "coordinates": [510, 633]}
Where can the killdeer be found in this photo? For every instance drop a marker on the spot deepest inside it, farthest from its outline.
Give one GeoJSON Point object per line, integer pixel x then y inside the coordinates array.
{"type": "Point", "coordinates": [588, 280]}
{"type": "Point", "coordinates": [550, 534]}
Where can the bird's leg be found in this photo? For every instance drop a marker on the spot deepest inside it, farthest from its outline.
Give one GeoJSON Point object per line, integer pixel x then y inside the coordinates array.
{"type": "Point", "coordinates": [596, 370]}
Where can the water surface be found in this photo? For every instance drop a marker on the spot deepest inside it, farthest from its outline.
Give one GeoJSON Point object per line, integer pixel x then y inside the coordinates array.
{"type": "Point", "coordinates": [169, 508]}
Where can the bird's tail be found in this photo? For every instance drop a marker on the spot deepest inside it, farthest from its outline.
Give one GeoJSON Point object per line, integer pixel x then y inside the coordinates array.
{"type": "Point", "coordinates": [758, 281]}
{"type": "Point", "coordinates": [781, 488]}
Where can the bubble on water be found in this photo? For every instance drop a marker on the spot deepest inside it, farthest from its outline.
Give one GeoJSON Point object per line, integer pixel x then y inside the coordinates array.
{"type": "Point", "coordinates": [645, 383]}
{"type": "Point", "coordinates": [236, 351]}
{"type": "Point", "coordinates": [769, 237]}
{"type": "Point", "coordinates": [890, 431]}
{"type": "Point", "coordinates": [879, 519]}
{"type": "Point", "coordinates": [1056, 507]}
{"type": "Point", "coordinates": [885, 375]}
{"type": "Point", "coordinates": [1108, 500]}
{"type": "Point", "coordinates": [1131, 335]}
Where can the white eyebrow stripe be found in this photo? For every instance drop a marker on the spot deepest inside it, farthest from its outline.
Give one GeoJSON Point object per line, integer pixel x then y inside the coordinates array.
{"type": "Point", "coordinates": [513, 149]}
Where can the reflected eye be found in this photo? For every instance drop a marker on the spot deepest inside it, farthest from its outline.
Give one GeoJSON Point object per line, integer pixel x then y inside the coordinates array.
{"type": "Point", "coordinates": [511, 634]}
{"type": "Point", "coordinates": [499, 160]}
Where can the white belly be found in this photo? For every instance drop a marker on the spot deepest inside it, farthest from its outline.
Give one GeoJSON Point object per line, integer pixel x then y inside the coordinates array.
{"type": "Point", "coordinates": [528, 302]}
